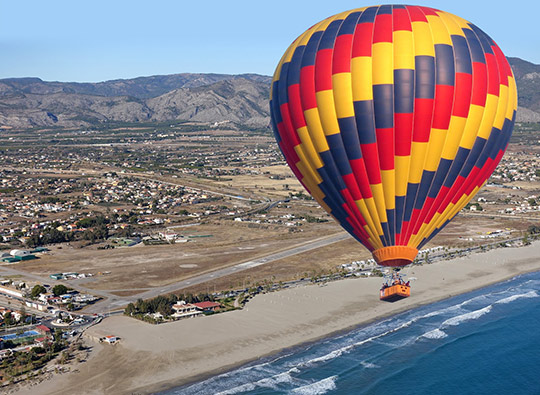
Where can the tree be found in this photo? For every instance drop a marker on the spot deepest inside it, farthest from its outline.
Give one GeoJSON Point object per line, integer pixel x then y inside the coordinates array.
{"type": "Point", "coordinates": [130, 309]}
{"type": "Point", "coordinates": [59, 289]}
{"type": "Point", "coordinates": [8, 319]}
{"type": "Point", "coordinates": [533, 229]}
{"type": "Point", "coordinates": [37, 290]}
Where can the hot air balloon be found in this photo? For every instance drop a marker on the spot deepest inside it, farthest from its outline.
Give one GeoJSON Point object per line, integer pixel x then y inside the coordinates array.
{"type": "Point", "coordinates": [393, 117]}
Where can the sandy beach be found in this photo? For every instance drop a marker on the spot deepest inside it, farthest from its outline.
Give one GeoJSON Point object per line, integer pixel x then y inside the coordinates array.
{"type": "Point", "coordinates": [151, 358]}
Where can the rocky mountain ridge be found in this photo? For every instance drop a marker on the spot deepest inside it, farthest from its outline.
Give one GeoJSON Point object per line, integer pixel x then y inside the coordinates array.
{"type": "Point", "coordinates": [239, 99]}
{"type": "Point", "coordinates": [242, 100]}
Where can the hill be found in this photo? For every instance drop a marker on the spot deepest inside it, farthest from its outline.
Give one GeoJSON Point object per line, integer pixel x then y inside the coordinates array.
{"type": "Point", "coordinates": [31, 102]}
{"type": "Point", "coordinates": [528, 82]}
{"type": "Point", "coordinates": [240, 99]}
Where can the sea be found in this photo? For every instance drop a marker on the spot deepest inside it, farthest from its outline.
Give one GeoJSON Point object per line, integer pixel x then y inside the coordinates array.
{"type": "Point", "coordinates": [482, 342]}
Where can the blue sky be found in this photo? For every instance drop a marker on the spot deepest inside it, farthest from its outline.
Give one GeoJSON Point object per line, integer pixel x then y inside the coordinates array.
{"type": "Point", "coordinates": [97, 40]}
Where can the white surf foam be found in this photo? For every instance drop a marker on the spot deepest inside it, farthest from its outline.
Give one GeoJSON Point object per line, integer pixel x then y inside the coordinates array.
{"type": "Point", "coordinates": [271, 382]}
{"type": "Point", "coordinates": [435, 334]}
{"type": "Point", "coordinates": [472, 315]}
{"type": "Point", "coordinates": [267, 382]}
{"type": "Point", "coordinates": [328, 357]}
{"type": "Point", "coordinates": [509, 299]}
{"type": "Point", "coordinates": [238, 390]}
{"type": "Point", "coordinates": [317, 388]}
{"type": "Point", "coordinates": [369, 365]}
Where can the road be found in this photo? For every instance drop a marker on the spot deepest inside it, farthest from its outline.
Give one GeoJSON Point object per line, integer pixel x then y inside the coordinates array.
{"type": "Point", "coordinates": [508, 216]}
{"type": "Point", "coordinates": [116, 302]}
{"type": "Point", "coordinates": [113, 302]}
{"type": "Point", "coordinates": [184, 184]}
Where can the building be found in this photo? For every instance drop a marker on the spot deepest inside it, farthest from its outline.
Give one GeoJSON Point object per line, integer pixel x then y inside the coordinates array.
{"type": "Point", "coordinates": [37, 306]}
{"type": "Point", "coordinates": [11, 292]}
{"type": "Point", "coordinates": [40, 341]}
{"type": "Point", "coordinates": [110, 339]}
{"type": "Point", "coordinates": [207, 306]}
{"type": "Point", "coordinates": [185, 310]}
{"type": "Point", "coordinates": [43, 329]}
{"type": "Point", "coordinates": [20, 255]}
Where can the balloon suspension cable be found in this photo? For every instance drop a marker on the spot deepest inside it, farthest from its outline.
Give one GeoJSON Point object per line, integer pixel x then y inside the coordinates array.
{"type": "Point", "coordinates": [394, 277]}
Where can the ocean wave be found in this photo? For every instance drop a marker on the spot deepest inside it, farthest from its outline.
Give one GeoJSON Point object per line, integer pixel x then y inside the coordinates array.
{"type": "Point", "coordinates": [271, 382]}
{"type": "Point", "coordinates": [472, 315]}
{"type": "Point", "coordinates": [267, 382]}
{"type": "Point", "coordinates": [328, 357]}
{"type": "Point", "coordinates": [317, 388]}
{"type": "Point", "coordinates": [255, 367]}
{"type": "Point", "coordinates": [369, 365]}
{"type": "Point", "coordinates": [530, 294]}
{"type": "Point", "coordinates": [387, 327]}
{"type": "Point", "coordinates": [435, 334]}
{"type": "Point", "coordinates": [238, 390]}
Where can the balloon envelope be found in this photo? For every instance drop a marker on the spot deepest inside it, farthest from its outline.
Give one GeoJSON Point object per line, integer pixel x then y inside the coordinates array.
{"type": "Point", "coordinates": [393, 117]}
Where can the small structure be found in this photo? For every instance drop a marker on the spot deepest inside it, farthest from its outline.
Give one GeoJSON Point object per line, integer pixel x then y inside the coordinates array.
{"type": "Point", "coordinates": [39, 249]}
{"type": "Point", "coordinates": [11, 292]}
{"type": "Point", "coordinates": [207, 306]}
{"type": "Point", "coordinates": [110, 339]}
{"type": "Point", "coordinates": [21, 255]}
{"type": "Point", "coordinates": [40, 341]}
{"type": "Point", "coordinates": [43, 329]}
{"type": "Point", "coordinates": [37, 306]}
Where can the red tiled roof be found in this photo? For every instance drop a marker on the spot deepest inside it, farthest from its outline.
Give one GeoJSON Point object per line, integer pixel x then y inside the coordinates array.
{"type": "Point", "coordinates": [206, 305]}
{"type": "Point", "coordinates": [43, 328]}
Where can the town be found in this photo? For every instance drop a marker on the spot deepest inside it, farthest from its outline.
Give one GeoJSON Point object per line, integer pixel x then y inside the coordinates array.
{"type": "Point", "coordinates": [173, 221]}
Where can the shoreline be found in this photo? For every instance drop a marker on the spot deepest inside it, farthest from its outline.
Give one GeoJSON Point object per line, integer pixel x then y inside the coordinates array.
{"type": "Point", "coordinates": [276, 354]}
{"type": "Point", "coordinates": [151, 359]}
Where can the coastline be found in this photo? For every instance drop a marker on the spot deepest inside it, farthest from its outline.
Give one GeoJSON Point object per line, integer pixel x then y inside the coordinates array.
{"type": "Point", "coordinates": [152, 358]}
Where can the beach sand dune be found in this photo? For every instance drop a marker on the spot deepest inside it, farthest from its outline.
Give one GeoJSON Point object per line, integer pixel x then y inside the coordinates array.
{"type": "Point", "coordinates": [150, 358]}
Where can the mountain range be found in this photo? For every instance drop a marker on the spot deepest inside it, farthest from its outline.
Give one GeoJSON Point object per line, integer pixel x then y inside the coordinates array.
{"type": "Point", "coordinates": [240, 99]}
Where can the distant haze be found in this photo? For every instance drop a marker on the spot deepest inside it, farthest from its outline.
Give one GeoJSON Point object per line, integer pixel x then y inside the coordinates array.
{"type": "Point", "coordinates": [66, 40]}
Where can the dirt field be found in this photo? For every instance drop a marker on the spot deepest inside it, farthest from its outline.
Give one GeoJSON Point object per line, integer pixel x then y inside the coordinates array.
{"type": "Point", "coordinates": [143, 267]}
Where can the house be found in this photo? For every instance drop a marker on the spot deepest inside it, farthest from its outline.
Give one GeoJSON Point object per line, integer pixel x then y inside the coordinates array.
{"type": "Point", "coordinates": [84, 298]}
{"type": "Point", "coordinates": [185, 310]}
{"type": "Point", "coordinates": [168, 236]}
{"type": "Point", "coordinates": [40, 341]}
{"type": "Point", "coordinates": [45, 296]}
{"type": "Point", "coordinates": [54, 300]}
{"type": "Point", "coordinates": [43, 329]}
{"type": "Point", "coordinates": [17, 315]}
{"type": "Point", "coordinates": [207, 306]}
